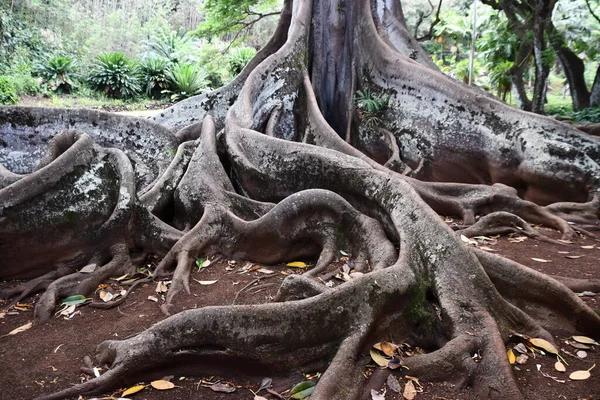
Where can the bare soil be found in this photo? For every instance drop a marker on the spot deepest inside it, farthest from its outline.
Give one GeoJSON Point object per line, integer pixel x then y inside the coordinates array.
{"type": "Point", "coordinates": [48, 357]}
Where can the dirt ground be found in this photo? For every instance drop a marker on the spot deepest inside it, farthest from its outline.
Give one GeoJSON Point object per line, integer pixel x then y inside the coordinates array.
{"type": "Point", "coordinates": [49, 356]}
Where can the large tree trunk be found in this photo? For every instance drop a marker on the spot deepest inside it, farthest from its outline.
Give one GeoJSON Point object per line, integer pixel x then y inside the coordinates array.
{"type": "Point", "coordinates": [286, 162]}
{"type": "Point", "coordinates": [595, 94]}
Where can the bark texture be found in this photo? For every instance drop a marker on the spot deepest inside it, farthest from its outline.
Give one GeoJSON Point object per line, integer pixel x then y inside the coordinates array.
{"type": "Point", "coordinates": [286, 162]}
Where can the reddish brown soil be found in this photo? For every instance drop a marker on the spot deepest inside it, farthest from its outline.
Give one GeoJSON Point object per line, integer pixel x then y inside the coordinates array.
{"type": "Point", "coordinates": [48, 356]}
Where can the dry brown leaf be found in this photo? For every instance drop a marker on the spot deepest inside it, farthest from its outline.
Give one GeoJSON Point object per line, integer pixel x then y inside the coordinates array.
{"type": "Point", "coordinates": [544, 344]}
{"type": "Point", "coordinates": [20, 329]}
{"type": "Point", "coordinates": [393, 384]}
{"type": "Point", "coordinates": [389, 348]}
{"type": "Point", "coordinates": [511, 357]}
{"type": "Point", "coordinates": [580, 346]}
{"type": "Point", "coordinates": [106, 296]}
{"type": "Point", "coordinates": [162, 385]}
{"type": "Point", "coordinates": [542, 260]}
{"type": "Point", "coordinates": [517, 239]}
{"type": "Point", "coordinates": [560, 367]}
{"type": "Point", "coordinates": [522, 359]}
{"type": "Point", "coordinates": [265, 271]}
{"type": "Point", "coordinates": [133, 389]}
{"type": "Point", "coordinates": [219, 387]}
{"type": "Point", "coordinates": [254, 268]}
{"type": "Point", "coordinates": [409, 391]}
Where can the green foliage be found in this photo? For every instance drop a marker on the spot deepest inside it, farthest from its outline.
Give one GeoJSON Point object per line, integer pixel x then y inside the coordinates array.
{"type": "Point", "coordinates": [224, 16]}
{"type": "Point", "coordinates": [58, 73]}
{"type": "Point", "coordinates": [239, 58]}
{"type": "Point", "coordinates": [172, 46]}
{"type": "Point", "coordinates": [370, 106]}
{"type": "Point", "coordinates": [367, 101]}
{"type": "Point", "coordinates": [499, 76]}
{"type": "Point", "coordinates": [591, 114]}
{"type": "Point", "coordinates": [116, 75]}
{"type": "Point", "coordinates": [8, 95]}
{"type": "Point", "coordinates": [186, 81]}
{"type": "Point", "coordinates": [153, 72]}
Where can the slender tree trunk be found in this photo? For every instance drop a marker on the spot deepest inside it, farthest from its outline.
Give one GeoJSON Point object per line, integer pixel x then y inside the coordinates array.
{"type": "Point", "coordinates": [573, 67]}
{"type": "Point", "coordinates": [595, 94]}
{"type": "Point", "coordinates": [517, 72]}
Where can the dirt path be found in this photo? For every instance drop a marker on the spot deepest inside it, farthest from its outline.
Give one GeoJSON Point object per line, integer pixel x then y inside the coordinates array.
{"type": "Point", "coordinates": [49, 356]}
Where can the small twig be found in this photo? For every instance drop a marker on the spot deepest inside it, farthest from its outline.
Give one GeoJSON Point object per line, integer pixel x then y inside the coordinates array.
{"type": "Point", "coordinates": [250, 284]}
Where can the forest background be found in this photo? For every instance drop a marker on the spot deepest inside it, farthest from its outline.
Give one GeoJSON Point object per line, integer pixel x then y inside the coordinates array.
{"type": "Point", "coordinates": [134, 54]}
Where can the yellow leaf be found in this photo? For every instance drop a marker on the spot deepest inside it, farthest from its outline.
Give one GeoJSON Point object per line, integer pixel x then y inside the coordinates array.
{"type": "Point", "coordinates": [133, 389]}
{"type": "Point", "coordinates": [379, 359]}
{"type": "Point", "coordinates": [584, 340]}
{"type": "Point", "coordinates": [19, 329]}
{"type": "Point", "coordinates": [560, 367]}
{"type": "Point", "coordinates": [409, 391]}
{"type": "Point", "coordinates": [511, 356]}
{"type": "Point", "coordinates": [297, 264]}
{"type": "Point", "coordinates": [389, 348]}
{"type": "Point", "coordinates": [162, 385]}
{"type": "Point", "coordinates": [544, 344]}
{"type": "Point", "coordinates": [580, 375]}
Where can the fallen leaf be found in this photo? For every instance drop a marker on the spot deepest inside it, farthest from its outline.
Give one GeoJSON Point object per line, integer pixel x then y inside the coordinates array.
{"type": "Point", "coordinates": [580, 346]}
{"type": "Point", "coordinates": [566, 241]}
{"type": "Point", "coordinates": [388, 348]}
{"type": "Point", "coordinates": [254, 268]}
{"type": "Point", "coordinates": [375, 395]}
{"type": "Point", "coordinates": [580, 375]}
{"type": "Point", "coordinates": [96, 372]}
{"type": "Point", "coordinates": [133, 389]}
{"type": "Point", "coordinates": [487, 249]}
{"type": "Point", "coordinates": [379, 359]}
{"type": "Point", "coordinates": [560, 367]}
{"type": "Point", "coordinates": [106, 296]}
{"type": "Point", "coordinates": [162, 385]}
{"type": "Point", "coordinates": [511, 357]}
{"type": "Point", "coordinates": [205, 283]}
{"type": "Point", "coordinates": [219, 387]}
{"type": "Point", "coordinates": [88, 269]}
{"type": "Point", "coordinates": [161, 287]}
{"type": "Point", "coordinates": [297, 264]}
{"type": "Point", "coordinates": [521, 348]}
{"type": "Point", "coordinates": [302, 390]}
{"type": "Point", "coordinates": [394, 363]}
{"type": "Point", "coordinates": [266, 382]}
{"type": "Point", "coordinates": [544, 344]}
{"type": "Point", "coordinates": [342, 252]}
{"type": "Point", "coordinates": [393, 384]}
{"type": "Point", "coordinates": [563, 252]}
{"type": "Point", "coordinates": [573, 257]}
{"type": "Point", "coordinates": [517, 239]}
{"type": "Point", "coordinates": [522, 359]}
{"type": "Point", "coordinates": [584, 340]}
{"type": "Point", "coordinates": [586, 293]}
{"type": "Point", "coordinates": [265, 271]}
{"type": "Point", "coordinates": [409, 391]}
{"type": "Point", "coordinates": [152, 298]}
{"type": "Point", "coordinates": [259, 398]}
{"type": "Point", "coordinates": [20, 329]}
{"type": "Point", "coordinates": [542, 260]}
{"type": "Point", "coordinates": [588, 247]}
{"type": "Point", "coordinates": [581, 354]}
{"type": "Point", "coordinates": [74, 300]}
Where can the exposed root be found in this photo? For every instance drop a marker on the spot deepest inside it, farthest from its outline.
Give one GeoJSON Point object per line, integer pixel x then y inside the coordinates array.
{"type": "Point", "coordinates": [82, 284]}
{"type": "Point", "coordinates": [502, 222]}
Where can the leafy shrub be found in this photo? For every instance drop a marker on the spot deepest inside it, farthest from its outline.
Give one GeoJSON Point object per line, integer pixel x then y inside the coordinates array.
{"type": "Point", "coordinates": [239, 58]}
{"type": "Point", "coordinates": [116, 75]}
{"type": "Point", "coordinates": [153, 73]}
{"type": "Point", "coordinates": [591, 114]}
{"type": "Point", "coordinates": [8, 94]}
{"type": "Point", "coordinates": [186, 81]}
{"type": "Point", "coordinates": [172, 46]}
{"type": "Point", "coordinates": [58, 73]}
{"type": "Point", "coordinates": [370, 106]}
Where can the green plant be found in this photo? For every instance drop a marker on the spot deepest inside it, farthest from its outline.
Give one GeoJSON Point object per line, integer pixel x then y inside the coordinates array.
{"type": "Point", "coordinates": [116, 75]}
{"type": "Point", "coordinates": [500, 77]}
{"type": "Point", "coordinates": [186, 81]}
{"type": "Point", "coordinates": [370, 106]}
{"type": "Point", "coordinates": [8, 94]}
{"type": "Point", "coordinates": [239, 58]}
{"type": "Point", "coordinates": [58, 73]}
{"type": "Point", "coordinates": [153, 72]}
